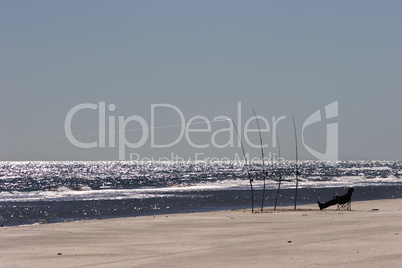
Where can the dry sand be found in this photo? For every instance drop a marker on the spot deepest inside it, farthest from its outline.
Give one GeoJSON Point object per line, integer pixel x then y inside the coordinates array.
{"type": "Point", "coordinates": [368, 236]}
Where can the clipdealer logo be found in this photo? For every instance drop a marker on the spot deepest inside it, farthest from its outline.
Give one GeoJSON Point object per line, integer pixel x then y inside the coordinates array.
{"type": "Point", "coordinates": [118, 125]}
{"type": "Point", "coordinates": [331, 151]}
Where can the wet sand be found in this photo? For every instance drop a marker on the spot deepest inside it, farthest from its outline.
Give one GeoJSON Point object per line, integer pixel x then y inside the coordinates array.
{"type": "Point", "coordinates": [368, 236]}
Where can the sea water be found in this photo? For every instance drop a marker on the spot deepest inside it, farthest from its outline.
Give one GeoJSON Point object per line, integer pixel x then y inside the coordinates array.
{"type": "Point", "coordinates": [35, 192]}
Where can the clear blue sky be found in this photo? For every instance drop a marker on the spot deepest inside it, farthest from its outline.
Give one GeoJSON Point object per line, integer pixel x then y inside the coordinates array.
{"type": "Point", "coordinates": [282, 58]}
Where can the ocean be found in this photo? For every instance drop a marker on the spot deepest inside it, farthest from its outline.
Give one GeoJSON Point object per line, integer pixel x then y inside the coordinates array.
{"type": "Point", "coordinates": [48, 192]}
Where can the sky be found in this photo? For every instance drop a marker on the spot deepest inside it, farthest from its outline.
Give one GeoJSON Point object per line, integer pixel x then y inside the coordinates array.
{"type": "Point", "coordinates": [163, 77]}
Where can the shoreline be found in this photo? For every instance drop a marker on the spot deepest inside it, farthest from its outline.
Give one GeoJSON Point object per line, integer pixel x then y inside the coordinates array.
{"type": "Point", "coordinates": [368, 236]}
{"type": "Point", "coordinates": [33, 212]}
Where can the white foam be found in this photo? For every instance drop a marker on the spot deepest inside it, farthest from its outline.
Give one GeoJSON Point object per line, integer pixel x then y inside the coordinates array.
{"type": "Point", "coordinates": [85, 193]}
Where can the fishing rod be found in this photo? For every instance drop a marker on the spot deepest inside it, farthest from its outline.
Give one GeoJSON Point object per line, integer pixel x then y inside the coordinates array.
{"type": "Point", "coordinates": [297, 163]}
{"type": "Point", "coordinates": [263, 163]}
{"type": "Point", "coordinates": [247, 168]}
{"type": "Point", "coordinates": [280, 174]}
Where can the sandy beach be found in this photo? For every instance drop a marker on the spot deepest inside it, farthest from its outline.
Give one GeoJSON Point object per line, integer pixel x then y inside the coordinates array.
{"type": "Point", "coordinates": [368, 236]}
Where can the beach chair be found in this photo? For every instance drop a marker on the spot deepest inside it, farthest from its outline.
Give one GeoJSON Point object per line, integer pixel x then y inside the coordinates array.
{"type": "Point", "coordinates": [345, 206]}
{"type": "Point", "coordinates": [343, 201]}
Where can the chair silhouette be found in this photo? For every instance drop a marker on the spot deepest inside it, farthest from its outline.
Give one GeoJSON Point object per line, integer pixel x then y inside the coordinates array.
{"type": "Point", "coordinates": [345, 206]}
{"type": "Point", "coordinates": [345, 201]}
